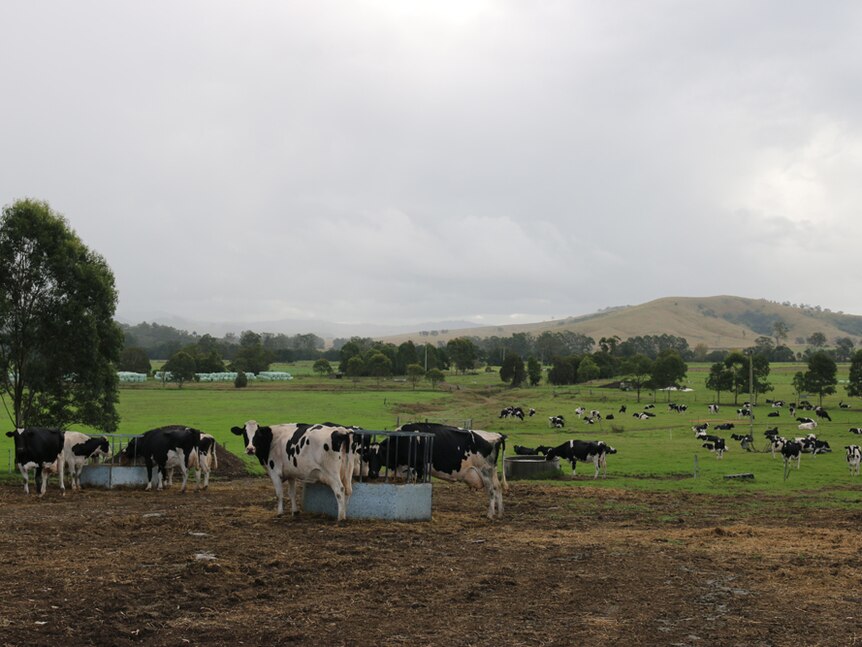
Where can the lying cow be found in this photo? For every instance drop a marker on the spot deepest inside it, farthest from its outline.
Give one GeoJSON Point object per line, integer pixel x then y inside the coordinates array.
{"type": "Point", "coordinates": [155, 445]}
{"type": "Point", "coordinates": [78, 449]}
{"type": "Point", "coordinates": [300, 452]}
{"type": "Point", "coordinates": [42, 449]}
{"type": "Point", "coordinates": [594, 452]}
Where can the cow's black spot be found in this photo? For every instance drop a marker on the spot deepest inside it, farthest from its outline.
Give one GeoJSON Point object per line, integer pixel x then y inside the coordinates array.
{"type": "Point", "coordinates": [271, 464]}
{"type": "Point", "coordinates": [325, 447]}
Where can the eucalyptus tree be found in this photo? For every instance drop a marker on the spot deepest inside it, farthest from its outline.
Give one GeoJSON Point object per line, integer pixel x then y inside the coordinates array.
{"type": "Point", "coordinates": [59, 344]}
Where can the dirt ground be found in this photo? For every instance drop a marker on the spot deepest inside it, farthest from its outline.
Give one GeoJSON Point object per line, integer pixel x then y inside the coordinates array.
{"type": "Point", "coordinates": [565, 566]}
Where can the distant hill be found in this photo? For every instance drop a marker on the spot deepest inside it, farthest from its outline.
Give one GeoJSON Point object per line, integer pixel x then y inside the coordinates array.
{"type": "Point", "coordinates": [720, 322]}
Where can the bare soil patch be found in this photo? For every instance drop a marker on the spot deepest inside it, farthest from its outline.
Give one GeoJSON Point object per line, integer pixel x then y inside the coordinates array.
{"type": "Point", "coordinates": [565, 566]}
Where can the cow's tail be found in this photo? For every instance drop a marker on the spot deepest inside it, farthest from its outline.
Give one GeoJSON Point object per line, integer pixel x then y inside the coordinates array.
{"type": "Point", "coordinates": [504, 482]}
{"type": "Point", "coordinates": [214, 466]}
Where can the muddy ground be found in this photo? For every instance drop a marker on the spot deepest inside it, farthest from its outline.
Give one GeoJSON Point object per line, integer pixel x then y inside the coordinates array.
{"type": "Point", "coordinates": [566, 566]}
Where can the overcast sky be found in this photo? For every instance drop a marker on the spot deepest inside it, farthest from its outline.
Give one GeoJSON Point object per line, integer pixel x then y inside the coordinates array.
{"type": "Point", "coordinates": [405, 162]}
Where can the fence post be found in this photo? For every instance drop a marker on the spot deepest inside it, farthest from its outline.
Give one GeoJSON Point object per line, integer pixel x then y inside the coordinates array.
{"type": "Point", "coordinates": [695, 466]}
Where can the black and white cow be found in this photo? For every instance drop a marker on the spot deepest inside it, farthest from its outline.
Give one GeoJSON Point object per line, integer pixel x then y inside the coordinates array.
{"type": "Point", "coordinates": [700, 428]}
{"type": "Point", "coordinates": [79, 448]}
{"type": "Point", "coordinates": [520, 450]}
{"type": "Point", "coordinates": [204, 460]}
{"type": "Point", "coordinates": [790, 450]}
{"type": "Point", "coordinates": [583, 451]}
{"type": "Point", "coordinates": [822, 413]}
{"type": "Point", "coordinates": [558, 422]}
{"type": "Point", "coordinates": [725, 426]}
{"type": "Point", "coordinates": [856, 430]}
{"type": "Point", "coordinates": [300, 452]}
{"type": "Point", "coordinates": [154, 446]}
{"type": "Point", "coordinates": [39, 448]}
{"type": "Point", "coordinates": [458, 455]}
{"type": "Point", "coordinates": [718, 446]}
{"type": "Point", "coordinates": [622, 409]}
{"type": "Point", "coordinates": [854, 457]}
{"type": "Point", "coordinates": [713, 408]}
{"type": "Point", "coordinates": [746, 441]}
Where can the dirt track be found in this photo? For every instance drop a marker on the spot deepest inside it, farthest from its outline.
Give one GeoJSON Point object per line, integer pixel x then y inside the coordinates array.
{"type": "Point", "coordinates": [566, 566]}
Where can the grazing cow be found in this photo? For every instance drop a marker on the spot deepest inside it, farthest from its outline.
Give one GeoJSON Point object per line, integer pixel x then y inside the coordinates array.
{"type": "Point", "coordinates": [457, 454]}
{"type": "Point", "coordinates": [153, 447]}
{"type": "Point", "coordinates": [713, 408]}
{"type": "Point", "coordinates": [580, 411]}
{"type": "Point", "coordinates": [583, 451]}
{"type": "Point", "coordinates": [790, 450]}
{"type": "Point", "coordinates": [622, 409]}
{"type": "Point", "coordinates": [726, 426]}
{"type": "Point", "coordinates": [308, 453]}
{"type": "Point", "coordinates": [642, 416]}
{"type": "Point", "coordinates": [843, 405]}
{"type": "Point", "coordinates": [543, 450]}
{"type": "Point", "coordinates": [822, 413]}
{"type": "Point", "coordinates": [702, 435]}
{"type": "Point", "coordinates": [700, 428]}
{"type": "Point", "coordinates": [558, 422]}
{"type": "Point", "coordinates": [79, 448]}
{"type": "Point", "coordinates": [42, 449]}
{"type": "Point", "coordinates": [856, 430]}
{"type": "Point", "coordinates": [679, 408]}
{"type": "Point", "coordinates": [532, 412]}
{"type": "Point", "coordinates": [520, 450]}
{"type": "Point", "coordinates": [854, 457]}
{"type": "Point", "coordinates": [516, 412]}
{"type": "Point", "coordinates": [718, 446]}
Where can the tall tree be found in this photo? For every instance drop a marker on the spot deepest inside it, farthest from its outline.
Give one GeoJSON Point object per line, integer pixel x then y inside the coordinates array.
{"type": "Point", "coordinates": [588, 369]}
{"type": "Point", "coordinates": [534, 371]}
{"type": "Point", "coordinates": [58, 341]}
{"type": "Point", "coordinates": [779, 331]}
{"type": "Point", "coordinates": [854, 383]}
{"type": "Point", "coordinates": [415, 372]}
{"type": "Point", "coordinates": [720, 379]}
{"type": "Point", "coordinates": [843, 349]}
{"type": "Point", "coordinates": [512, 371]}
{"type": "Point", "coordinates": [820, 378]}
{"type": "Point", "coordinates": [816, 340]}
{"type": "Point", "coordinates": [182, 368]}
{"type": "Point", "coordinates": [668, 370]}
{"type": "Point", "coordinates": [463, 353]}
{"type": "Point", "coordinates": [134, 359]}
{"type": "Point", "coordinates": [251, 357]}
{"type": "Point", "coordinates": [637, 371]}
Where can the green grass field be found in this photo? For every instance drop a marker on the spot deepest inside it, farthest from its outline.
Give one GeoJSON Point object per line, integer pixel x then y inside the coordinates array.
{"type": "Point", "coordinates": [655, 454]}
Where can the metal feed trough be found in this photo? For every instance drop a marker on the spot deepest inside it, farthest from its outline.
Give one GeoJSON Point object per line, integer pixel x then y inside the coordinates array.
{"type": "Point", "coordinates": [109, 473]}
{"type": "Point", "coordinates": [396, 495]}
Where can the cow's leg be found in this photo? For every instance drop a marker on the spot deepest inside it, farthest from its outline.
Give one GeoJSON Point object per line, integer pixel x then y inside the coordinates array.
{"type": "Point", "coordinates": [185, 471]}
{"type": "Point", "coordinates": [497, 487]}
{"type": "Point", "coordinates": [169, 481]}
{"type": "Point", "coordinates": [574, 464]}
{"type": "Point", "coordinates": [279, 489]}
{"type": "Point", "coordinates": [798, 459]}
{"type": "Point", "coordinates": [337, 487]}
{"type": "Point", "coordinates": [291, 493]}
{"type": "Point", "coordinates": [41, 481]}
{"type": "Point", "coordinates": [206, 475]}
{"type": "Point", "coordinates": [149, 465]}
{"type": "Point", "coordinates": [25, 473]}
{"type": "Point", "coordinates": [597, 466]}
{"type": "Point", "coordinates": [61, 464]}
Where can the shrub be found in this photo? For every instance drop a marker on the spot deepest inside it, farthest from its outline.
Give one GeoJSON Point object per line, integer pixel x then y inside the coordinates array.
{"type": "Point", "coordinates": [241, 380]}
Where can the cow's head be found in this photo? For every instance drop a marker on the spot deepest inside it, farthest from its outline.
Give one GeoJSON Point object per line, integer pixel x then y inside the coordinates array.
{"type": "Point", "coordinates": [257, 439]}
{"type": "Point", "coordinates": [20, 441]}
{"type": "Point", "coordinates": [102, 449]}
{"type": "Point", "coordinates": [129, 453]}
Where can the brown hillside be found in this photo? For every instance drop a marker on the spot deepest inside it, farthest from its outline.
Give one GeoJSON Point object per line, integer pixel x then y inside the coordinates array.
{"type": "Point", "coordinates": [718, 322]}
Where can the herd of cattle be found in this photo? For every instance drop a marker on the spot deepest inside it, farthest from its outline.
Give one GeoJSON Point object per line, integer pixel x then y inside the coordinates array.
{"type": "Point", "coordinates": [327, 453]}
{"type": "Point", "coordinates": [334, 455]}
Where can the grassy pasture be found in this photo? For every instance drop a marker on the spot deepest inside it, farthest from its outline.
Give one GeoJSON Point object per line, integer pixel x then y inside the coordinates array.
{"type": "Point", "coordinates": [655, 454]}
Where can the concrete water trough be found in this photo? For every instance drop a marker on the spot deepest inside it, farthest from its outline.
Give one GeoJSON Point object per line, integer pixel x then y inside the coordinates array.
{"type": "Point", "coordinates": [531, 467]}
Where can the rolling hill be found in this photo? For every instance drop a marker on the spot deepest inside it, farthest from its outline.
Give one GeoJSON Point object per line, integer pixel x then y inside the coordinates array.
{"type": "Point", "coordinates": [719, 322]}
